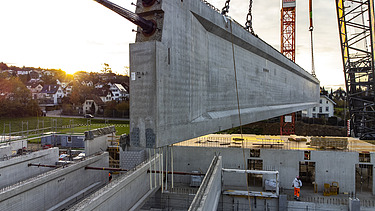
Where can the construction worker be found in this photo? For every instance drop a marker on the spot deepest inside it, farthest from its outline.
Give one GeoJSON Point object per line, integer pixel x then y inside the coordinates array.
{"type": "Point", "coordinates": [297, 184]}
{"type": "Point", "coordinates": [110, 176]}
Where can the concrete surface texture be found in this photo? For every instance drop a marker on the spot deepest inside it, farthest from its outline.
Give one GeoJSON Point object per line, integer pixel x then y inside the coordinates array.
{"type": "Point", "coordinates": [208, 195]}
{"type": "Point", "coordinates": [183, 78]}
{"type": "Point", "coordinates": [97, 140]}
{"type": "Point", "coordinates": [14, 145]}
{"type": "Point", "coordinates": [330, 166]}
{"type": "Point", "coordinates": [126, 192]}
{"type": "Point", "coordinates": [16, 170]}
{"type": "Point", "coordinates": [56, 189]}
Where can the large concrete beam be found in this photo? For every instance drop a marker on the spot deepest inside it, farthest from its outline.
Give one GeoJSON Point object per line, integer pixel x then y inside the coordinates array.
{"type": "Point", "coordinates": [183, 82]}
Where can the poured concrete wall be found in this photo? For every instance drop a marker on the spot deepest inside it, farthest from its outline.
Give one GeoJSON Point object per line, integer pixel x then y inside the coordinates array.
{"type": "Point", "coordinates": [335, 166]}
{"type": "Point", "coordinates": [208, 195]}
{"type": "Point", "coordinates": [57, 188]}
{"type": "Point", "coordinates": [5, 151]}
{"type": "Point", "coordinates": [98, 144]}
{"type": "Point", "coordinates": [330, 166]}
{"type": "Point", "coordinates": [14, 145]}
{"type": "Point", "coordinates": [125, 192]}
{"type": "Point", "coordinates": [16, 170]}
{"type": "Point", "coordinates": [183, 79]}
{"type": "Point", "coordinates": [97, 140]}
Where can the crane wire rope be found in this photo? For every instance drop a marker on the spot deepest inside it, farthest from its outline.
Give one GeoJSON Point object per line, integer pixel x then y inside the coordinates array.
{"type": "Point", "coordinates": [239, 114]}
{"type": "Point", "coordinates": [249, 19]}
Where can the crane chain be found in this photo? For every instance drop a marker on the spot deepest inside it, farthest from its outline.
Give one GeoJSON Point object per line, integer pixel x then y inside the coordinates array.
{"type": "Point", "coordinates": [249, 19]}
{"type": "Point", "coordinates": [225, 9]}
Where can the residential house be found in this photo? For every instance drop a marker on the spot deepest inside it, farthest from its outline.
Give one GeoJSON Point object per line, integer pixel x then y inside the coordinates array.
{"type": "Point", "coordinates": [93, 105]}
{"type": "Point", "coordinates": [68, 90]}
{"type": "Point", "coordinates": [87, 83]}
{"type": "Point", "coordinates": [324, 110]}
{"type": "Point", "coordinates": [22, 72]}
{"type": "Point", "coordinates": [35, 74]}
{"type": "Point", "coordinates": [35, 89]}
{"type": "Point", "coordinates": [51, 94]}
{"type": "Point", "coordinates": [105, 94]}
{"type": "Point", "coordinates": [119, 92]}
{"type": "Point", "coordinates": [99, 85]}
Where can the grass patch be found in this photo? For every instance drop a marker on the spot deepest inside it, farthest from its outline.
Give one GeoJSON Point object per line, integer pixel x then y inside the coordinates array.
{"type": "Point", "coordinates": [32, 123]}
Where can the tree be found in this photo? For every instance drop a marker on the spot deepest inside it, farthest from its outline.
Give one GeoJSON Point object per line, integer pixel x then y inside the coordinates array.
{"type": "Point", "coordinates": [3, 66]}
{"type": "Point", "coordinates": [106, 68]}
{"type": "Point", "coordinates": [15, 100]}
{"type": "Point", "coordinates": [126, 71]}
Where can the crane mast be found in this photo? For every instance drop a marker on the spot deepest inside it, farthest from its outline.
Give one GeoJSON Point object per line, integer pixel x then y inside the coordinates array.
{"type": "Point", "coordinates": [288, 48]}
{"type": "Point", "coordinates": [356, 29]}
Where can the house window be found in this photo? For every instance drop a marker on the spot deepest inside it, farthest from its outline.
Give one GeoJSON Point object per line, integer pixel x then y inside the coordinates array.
{"type": "Point", "coordinates": [314, 115]}
{"type": "Point", "coordinates": [320, 109]}
{"type": "Point", "coordinates": [307, 155]}
{"type": "Point", "coordinates": [320, 101]}
{"type": "Point", "coordinates": [326, 101]}
{"type": "Point", "coordinates": [327, 108]}
{"type": "Point", "coordinates": [255, 153]}
{"type": "Point", "coordinates": [314, 109]}
{"type": "Point", "coordinates": [364, 157]}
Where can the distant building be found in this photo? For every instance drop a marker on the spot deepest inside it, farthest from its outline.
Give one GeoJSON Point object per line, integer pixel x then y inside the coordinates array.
{"type": "Point", "coordinates": [93, 105]}
{"type": "Point", "coordinates": [324, 110]}
{"type": "Point", "coordinates": [51, 94]}
{"type": "Point", "coordinates": [35, 89]}
{"type": "Point", "coordinates": [105, 94]}
{"type": "Point", "coordinates": [22, 72]}
{"type": "Point", "coordinates": [119, 92]}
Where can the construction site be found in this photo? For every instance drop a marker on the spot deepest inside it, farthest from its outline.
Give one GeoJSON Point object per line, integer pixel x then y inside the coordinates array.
{"type": "Point", "coordinates": [173, 157]}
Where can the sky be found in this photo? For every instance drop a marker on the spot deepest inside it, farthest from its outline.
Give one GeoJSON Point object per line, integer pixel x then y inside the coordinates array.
{"type": "Point", "coordinates": [82, 35]}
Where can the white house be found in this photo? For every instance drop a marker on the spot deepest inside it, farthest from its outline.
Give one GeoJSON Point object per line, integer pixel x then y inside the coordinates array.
{"type": "Point", "coordinates": [93, 105]}
{"type": "Point", "coordinates": [119, 92]}
{"type": "Point", "coordinates": [105, 94]}
{"type": "Point", "coordinates": [325, 108]}
{"type": "Point", "coordinates": [35, 89]}
{"type": "Point", "coordinates": [22, 72]}
{"type": "Point", "coordinates": [51, 94]}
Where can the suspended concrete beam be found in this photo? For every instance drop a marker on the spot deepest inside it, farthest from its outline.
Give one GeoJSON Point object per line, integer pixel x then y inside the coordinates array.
{"type": "Point", "coordinates": [183, 77]}
{"type": "Point", "coordinates": [208, 194]}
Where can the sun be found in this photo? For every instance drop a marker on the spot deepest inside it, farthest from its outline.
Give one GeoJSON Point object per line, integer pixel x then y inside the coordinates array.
{"type": "Point", "coordinates": [70, 72]}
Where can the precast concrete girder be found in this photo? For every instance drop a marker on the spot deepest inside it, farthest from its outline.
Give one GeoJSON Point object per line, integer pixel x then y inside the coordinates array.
{"type": "Point", "coordinates": [183, 77]}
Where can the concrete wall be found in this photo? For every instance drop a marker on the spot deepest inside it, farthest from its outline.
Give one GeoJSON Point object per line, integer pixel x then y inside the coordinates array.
{"type": "Point", "coordinates": [97, 140]}
{"type": "Point", "coordinates": [15, 145]}
{"type": "Point", "coordinates": [338, 166]}
{"type": "Point", "coordinates": [16, 170]}
{"type": "Point", "coordinates": [208, 195]}
{"type": "Point", "coordinates": [5, 151]}
{"type": "Point", "coordinates": [333, 166]}
{"type": "Point", "coordinates": [182, 78]}
{"type": "Point", "coordinates": [123, 193]}
{"type": "Point", "coordinates": [56, 189]}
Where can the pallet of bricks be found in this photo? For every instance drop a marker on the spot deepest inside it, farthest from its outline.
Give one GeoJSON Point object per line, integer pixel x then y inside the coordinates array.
{"type": "Point", "coordinates": [329, 142]}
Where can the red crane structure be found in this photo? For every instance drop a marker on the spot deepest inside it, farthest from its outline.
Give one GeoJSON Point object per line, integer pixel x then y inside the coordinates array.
{"type": "Point", "coordinates": [288, 48]}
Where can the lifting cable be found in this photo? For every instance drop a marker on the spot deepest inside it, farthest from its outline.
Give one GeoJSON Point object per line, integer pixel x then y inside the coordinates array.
{"type": "Point", "coordinates": [239, 114]}
{"type": "Point", "coordinates": [249, 19]}
{"type": "Point", "coordinates": [225, 9]}
{"type": "Point", "coordinates": [311, 28]}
